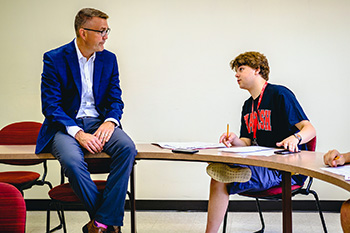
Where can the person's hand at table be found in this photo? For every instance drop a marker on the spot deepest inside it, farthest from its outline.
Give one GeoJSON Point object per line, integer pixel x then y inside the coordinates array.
{"type": "Point", "coordinates": [227, 140]}
{"type": "Point", "coordinates": [290, 143]}
{"type": "Point", "coordinates": [231, 139]}
{"type": "Point", "coordinates": [333, 158]}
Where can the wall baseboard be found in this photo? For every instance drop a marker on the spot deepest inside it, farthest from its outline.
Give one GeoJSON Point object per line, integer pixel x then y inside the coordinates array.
{"type": "Point", "coordinates": [201, 206]}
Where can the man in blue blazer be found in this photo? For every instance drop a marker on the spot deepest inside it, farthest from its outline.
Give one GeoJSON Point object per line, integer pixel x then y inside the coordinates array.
{"type": "Point", "coordinates": [81, 101]}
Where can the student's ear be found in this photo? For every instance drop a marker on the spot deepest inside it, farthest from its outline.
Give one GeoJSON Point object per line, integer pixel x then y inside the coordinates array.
{"type": "Point", "coordinates": [257, 71]}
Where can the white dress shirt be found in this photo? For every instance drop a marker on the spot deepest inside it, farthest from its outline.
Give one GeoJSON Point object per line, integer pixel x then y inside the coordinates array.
{"type": "Point", "coordinates": [87, 105]}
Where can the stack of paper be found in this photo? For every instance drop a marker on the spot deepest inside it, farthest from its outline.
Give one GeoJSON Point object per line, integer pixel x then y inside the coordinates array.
{"type": "Point", "coordinates": [251, 150]}
{"type": "Point", "coordinates": [188, 145]}
{"type": "Point", "coordinates": [341, 170]}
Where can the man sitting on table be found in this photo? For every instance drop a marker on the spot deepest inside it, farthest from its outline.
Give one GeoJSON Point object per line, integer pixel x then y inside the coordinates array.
{"type": "Point", "coordinates": [333, 158]}
{"type": "Point", "coordinates": [271, 117]}
{"type": "Point", "coordinates": [81, 101]}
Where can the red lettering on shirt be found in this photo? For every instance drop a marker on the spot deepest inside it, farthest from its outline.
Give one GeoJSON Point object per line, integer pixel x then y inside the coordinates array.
{"type": "Point", "coordinates": [246, 118]}
{"type": "Point", "coordinates": [268, 120]}
{"type": "Point", "coordinates": [264, 120]}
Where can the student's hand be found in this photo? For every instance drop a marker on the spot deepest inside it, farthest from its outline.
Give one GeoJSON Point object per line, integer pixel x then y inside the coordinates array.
{"type": "Point", "coordinates": [89, 142]}
{"type": "Point", "coordinates": [290, 143]}
{"type": "Point", "coordinates": [333, 158]}
{"type": "Point", "coordinates": [228, 139]}
{"type": "Point", "coordinates": [104, 132]}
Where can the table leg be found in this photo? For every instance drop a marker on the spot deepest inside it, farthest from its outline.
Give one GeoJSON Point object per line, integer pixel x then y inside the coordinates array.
{"type": "Point", "coordinates": [132, 201]}
{"type": "Point", "coordinates": [287, 202]}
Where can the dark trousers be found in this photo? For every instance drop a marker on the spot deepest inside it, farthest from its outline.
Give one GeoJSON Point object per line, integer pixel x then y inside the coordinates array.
{"type": "Point", "coordinates": [106, 207]}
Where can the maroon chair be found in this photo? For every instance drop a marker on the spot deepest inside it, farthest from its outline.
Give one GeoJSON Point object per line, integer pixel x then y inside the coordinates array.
{"type": "Point", "coordinates": [22, 133]}
{"type": "Point", "coordinates": [63, 195]}
{"type": "Point", "coordinates": [275, 193]}
{"type": "Point", "coordinates": [12, 209]}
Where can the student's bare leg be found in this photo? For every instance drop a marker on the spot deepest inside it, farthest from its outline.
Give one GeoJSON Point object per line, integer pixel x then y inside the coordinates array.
{"type": "Point", "coordinates": [218, 202]}
{"type": "Point", "coordinates": [345, 216]}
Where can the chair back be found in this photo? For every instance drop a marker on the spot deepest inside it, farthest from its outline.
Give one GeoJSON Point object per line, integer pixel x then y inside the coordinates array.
{"type": "Point", "coordinates": [311, 145]}
{"type": "Point", "coordinates": [12, 209]}
{"type": "Point", "coordinates": [20, 133]}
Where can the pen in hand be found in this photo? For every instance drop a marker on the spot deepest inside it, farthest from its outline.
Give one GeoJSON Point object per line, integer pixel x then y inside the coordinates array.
{"type": "Point", "coordinates": [225, 137]}
{"type": "Point", "coordinates": [334, 160]}
{"type": "Point", "coordinates": [228, 132]}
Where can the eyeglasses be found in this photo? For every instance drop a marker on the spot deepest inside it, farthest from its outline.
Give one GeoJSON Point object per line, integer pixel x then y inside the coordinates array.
{"type": "Point", "coordinates": [102, 32]}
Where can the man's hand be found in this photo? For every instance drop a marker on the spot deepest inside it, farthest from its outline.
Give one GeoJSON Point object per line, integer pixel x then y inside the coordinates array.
{"type": "Point", "coordinates": [104, 132]}
{"type": "Point", "coordinates": [89, 142]}
{"type": "Point", "coordinates": [333, 158]}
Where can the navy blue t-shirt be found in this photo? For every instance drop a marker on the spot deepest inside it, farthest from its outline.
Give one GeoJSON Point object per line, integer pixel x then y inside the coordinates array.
{"type": "Point", "coordinates": [278, 113]}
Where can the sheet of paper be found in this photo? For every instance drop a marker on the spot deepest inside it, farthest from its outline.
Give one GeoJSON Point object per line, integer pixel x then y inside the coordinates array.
{"type": "Point", "coordinates": [251, 150]}
{"type": "Point", "coordinates": [188, 145]}
{"type": "Point", "coordinates": [341, 170]}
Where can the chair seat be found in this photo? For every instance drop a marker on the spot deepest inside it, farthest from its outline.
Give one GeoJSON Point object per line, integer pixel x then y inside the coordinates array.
{"type": "Point", "coordinates": [273, 192]}
{"type": "Point", "coordinates": [18, 177]}
{"type": "Point", "coordinates": [65, 193]}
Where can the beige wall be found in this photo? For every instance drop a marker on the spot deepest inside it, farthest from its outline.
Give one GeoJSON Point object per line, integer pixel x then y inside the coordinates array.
{"type": "Point", "coordinates": [177, 85]}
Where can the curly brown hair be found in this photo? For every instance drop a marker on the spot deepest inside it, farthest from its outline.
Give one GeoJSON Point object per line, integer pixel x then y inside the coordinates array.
{"type": "Point", "coordinates": [86, 14]}
{"type": "Point", "coordinates": [254, 60]}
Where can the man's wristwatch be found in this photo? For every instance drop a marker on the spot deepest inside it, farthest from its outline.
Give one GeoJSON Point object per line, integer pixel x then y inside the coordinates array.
{"type": "Point", "coordinates": [298, 136]}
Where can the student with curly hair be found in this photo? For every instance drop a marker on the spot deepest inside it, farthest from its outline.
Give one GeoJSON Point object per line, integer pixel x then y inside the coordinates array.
{"type": "Point", "coordinates": [271, 117]}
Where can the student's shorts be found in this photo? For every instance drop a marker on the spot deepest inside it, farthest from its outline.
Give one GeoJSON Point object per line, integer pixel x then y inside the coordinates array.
{"type": "Point", "coordinates": [262, 178]}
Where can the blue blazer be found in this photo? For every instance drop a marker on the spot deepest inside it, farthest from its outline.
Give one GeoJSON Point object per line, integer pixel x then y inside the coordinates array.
{"type": "Point", "coordinates": [61, 91]}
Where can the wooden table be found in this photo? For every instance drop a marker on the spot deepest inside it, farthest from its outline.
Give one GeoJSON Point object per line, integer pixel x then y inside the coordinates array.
{"type": "Point", "coordinates": [306, 163]}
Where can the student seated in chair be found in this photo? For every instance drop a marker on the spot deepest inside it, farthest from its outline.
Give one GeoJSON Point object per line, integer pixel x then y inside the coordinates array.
{"type": "Point", "coordinates": [271, 117]}
{"type": "Point", "coordinates": [81, 101]}
{"type": "Point", "coordinates": [333, 158]}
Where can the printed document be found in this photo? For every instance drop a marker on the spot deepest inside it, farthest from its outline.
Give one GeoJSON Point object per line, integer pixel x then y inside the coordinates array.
{"type": "Point", "coordinates": [340, 170]}
{"type": "Point", "coordinates": [188, 145]}
{"type": "Point", "coordinates": [251, 150]}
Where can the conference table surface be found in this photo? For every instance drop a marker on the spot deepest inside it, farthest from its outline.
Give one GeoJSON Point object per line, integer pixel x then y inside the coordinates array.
{"type": "Point", "coordinates": [305, 162]}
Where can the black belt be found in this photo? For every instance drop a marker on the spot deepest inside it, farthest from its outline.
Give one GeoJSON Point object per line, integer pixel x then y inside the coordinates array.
{"type": "Point", "coordinates": [85, 117]}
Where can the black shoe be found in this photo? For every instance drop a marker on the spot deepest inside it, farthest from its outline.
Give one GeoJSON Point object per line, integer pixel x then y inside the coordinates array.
{"type": "Point", "coordinates": [91, 228]}
{"type": "Point", "coordinates": [85, 229]}
{"type": "Point", "coordinates": [114, 229]}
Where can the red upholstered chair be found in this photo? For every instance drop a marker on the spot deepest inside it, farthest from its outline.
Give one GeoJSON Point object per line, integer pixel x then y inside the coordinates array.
{"type": "Point", "coordinates": [12, 209]}
{"type": "Point", "coordinates": [22, 133]}
{"type": "Point", "coordinates": [275, 193]}
{"type": "Point", "coordinates": [62, 195]}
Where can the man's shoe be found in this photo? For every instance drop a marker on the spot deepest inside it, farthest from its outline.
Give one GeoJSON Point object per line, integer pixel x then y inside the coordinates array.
{"type": "Point", "coordinates": [114, 229]}
{"type": "Point", "coordinates": [90, 227]}
{"type": "Point", "coordinates": [226, 174]}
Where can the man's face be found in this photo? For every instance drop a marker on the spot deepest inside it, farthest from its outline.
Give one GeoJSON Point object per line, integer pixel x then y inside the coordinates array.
{"type": "Point", "coordinates": [245, 76]}
{"type": "Point", "coordinates": [94, 40]}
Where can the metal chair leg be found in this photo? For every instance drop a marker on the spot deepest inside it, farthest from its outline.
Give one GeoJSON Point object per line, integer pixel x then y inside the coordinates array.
{"type": "Point", "coordinates": [225, 221]}
{"type": "Point", "coordinates": [319, 210]}
{"type": "Point", "coordinates": [48, 218]}
{"type": "Point", "coordinates": [60, 215]}
{"type": "Point", "coordinates": [261, 216]}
